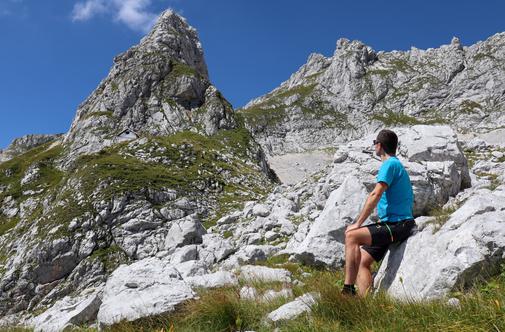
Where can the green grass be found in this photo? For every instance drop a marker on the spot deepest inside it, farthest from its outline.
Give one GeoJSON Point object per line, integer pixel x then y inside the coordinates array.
{"type": "Point", "coordinates": [493, 178]}
{"type": "Point", "coordinates": [380, 72]}
{"type": "Point", "coordinates": [482, 309]}
{"type": "Point", "coordinates": [12, 171]}
{"type": "Point", "coordinates": [108, 114]}
{"type": "Point", "coordinates": [400, 65]}
{"type": "Point", "coordinates": [441, 216]}
{"type": "Point", "coordinates": [482, 56]}
{"type": "Point", "coordinates": [471, 156]}
{"type": "Point", "coordinates": [126, 173]}
{"type": "Point", "coordinates": [264, 116]}
{"type": "Point", "coordinates": [111, 257]}
{"type": "Point", "coordinates": [272, 111]}
{"type": "Point", "coordinates": [469, 106]}
{"type": "Point", "coordinates": [300, 90]}
{"type": "Point", "coordinates": [6, 224]}
{"type": "Point", "coordinates": [182, 69]}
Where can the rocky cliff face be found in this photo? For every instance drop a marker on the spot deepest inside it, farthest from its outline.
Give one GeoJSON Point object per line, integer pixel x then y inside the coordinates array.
{"type": "Point", "coordinates": [158, 87]}
{"type": "Point", "coordinates": [358, 90]}
{"type": "Point", "coordinates": [153, 157]}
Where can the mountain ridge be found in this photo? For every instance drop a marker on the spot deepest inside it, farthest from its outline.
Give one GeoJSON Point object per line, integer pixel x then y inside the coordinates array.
{"type": "Point", "coordinates": [362, 89]}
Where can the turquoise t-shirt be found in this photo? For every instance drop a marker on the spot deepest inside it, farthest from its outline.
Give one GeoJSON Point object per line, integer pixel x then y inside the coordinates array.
{"type": "Point", "coordinates": [397, 201]}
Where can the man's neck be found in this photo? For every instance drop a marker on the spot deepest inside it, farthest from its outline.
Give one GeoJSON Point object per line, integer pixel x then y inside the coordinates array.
{"type": "Point", "coordinates": [385, 156]}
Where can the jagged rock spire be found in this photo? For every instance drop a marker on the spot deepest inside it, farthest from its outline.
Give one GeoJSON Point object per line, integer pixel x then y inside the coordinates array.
{"type": "Point", "coordinates": [157, 87]}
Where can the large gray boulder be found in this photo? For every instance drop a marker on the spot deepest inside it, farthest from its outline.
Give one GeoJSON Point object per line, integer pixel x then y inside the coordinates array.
{"type": "Point", "coordinates": [213, 280]}
{"type": "Point", "coordinates": [186, 231]}
{"type": "Point", "coordinates": [264, 274]}
{"type": "Point", "coordinates": [69, 312]}
{"type": "Point", "coordinates": [431, 263]}
{"type": "Point", "coordinates": [147, 287]}
{"type": "Point", "coordinates": [324, 244]}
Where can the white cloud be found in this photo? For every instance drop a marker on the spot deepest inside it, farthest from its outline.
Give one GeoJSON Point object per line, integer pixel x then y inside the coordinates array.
{"type": "Point", "coordinates": [85, 10]}
{"type": "Point", "coordinates": [134, 13]}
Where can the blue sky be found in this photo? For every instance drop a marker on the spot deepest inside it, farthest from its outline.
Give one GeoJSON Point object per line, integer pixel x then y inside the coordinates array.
{"type": "Point", "coordinates": [53, 53]}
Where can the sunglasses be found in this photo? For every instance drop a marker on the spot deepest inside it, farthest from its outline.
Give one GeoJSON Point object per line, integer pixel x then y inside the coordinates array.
{"type": "Point", "coordinates": [375, 142]}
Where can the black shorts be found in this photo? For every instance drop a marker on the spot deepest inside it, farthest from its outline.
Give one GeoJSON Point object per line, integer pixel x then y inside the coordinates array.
{"type": "Point", "coordinates": [385, 233]}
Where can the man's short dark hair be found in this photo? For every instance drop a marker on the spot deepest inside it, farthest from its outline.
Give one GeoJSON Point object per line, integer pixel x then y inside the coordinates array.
{"type": "Point", "coordinates": [388, 140]}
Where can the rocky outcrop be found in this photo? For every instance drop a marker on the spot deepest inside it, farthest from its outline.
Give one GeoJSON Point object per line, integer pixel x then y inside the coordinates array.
{"type": "Point", "coordinates": [358, 90]}
{"type": "Point", "coordinates": [69, 312]}
{"type": "Point", "coordinates": [159, 87]}
{"type": "Point", "coordinates": [147, 287]}
{"type": "Point", "coordinates": [437, 169]}
{"type": "Point", "coordinates": [469, 245]}
{"type": "Point", "coordinates": [23, 144]}
{"type": "Point", "coordinates": [153, 158]}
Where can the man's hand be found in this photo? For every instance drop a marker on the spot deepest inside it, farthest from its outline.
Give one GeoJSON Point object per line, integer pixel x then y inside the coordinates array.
{"type": "Point", "coordinates": [351, 227]}
{"type": "Point", "coordinates": [371, 203]}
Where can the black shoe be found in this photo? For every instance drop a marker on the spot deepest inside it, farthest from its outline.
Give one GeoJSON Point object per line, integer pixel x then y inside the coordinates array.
{"type": "Point", "coordinates": [348, 290]}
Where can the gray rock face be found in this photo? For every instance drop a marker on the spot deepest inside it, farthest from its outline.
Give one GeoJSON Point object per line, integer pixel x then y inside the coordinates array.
{"type": "Point", "coordinates": [470, 244]}
{"type": "Point", "coordinates": [357, 90]}
{"type": "Point", "coordinates": [263, 273]}
{"type": "Point", "coordinates": [69, 312]}
{"type": "Point", "coordinates": [437, 169]}
{"type": "Point", "coordinates": [25, 143]}
{"type": "Point", "coordinates": [158, 87]}
{"type": "Point", "coordinates": [294, 308]}
{"type": "Point", "coordinates": [147, 287]}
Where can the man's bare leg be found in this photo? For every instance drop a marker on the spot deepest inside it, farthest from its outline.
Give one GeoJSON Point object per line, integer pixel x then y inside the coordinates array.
{"type": "Point", "coordinates": [364, 279]}
{"type": "Point", "coordinates": [353, 240]}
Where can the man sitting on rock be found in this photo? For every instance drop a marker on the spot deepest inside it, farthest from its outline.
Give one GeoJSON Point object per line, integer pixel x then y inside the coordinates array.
{"type": "Point", "coordinates": [394, 196]}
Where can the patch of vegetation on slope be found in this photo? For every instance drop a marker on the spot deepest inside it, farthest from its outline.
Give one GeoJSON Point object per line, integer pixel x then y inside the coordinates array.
{"type": "Point", "coordinates": [12, 172]}
{"type": "Point", "coordinates": [481, 308]}
{"type": "Point", "coordinates": [275, 108]}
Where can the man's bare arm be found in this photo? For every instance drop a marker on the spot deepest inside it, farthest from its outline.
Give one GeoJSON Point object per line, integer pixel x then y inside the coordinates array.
{"type": "Point", "coordinates": [370, 204]}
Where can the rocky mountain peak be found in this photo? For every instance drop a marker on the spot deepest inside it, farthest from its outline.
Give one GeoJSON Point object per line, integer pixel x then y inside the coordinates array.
{"type": "Point", "coordinates": [173, 35]}
{"type": "Point", "coordinates": [347, 47]}
{"type": "Point", "coordinates": [158, 87]}
{"type": "Point", "coordinates": [358, 90]}
{"type": "Point", "coordinates": [353, 55]}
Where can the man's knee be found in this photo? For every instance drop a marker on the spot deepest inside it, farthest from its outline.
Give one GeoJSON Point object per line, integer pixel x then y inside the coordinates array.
{"type": "Point", "coordinates": [350, 238]}
{"type": "Point", "coordinates": [356, 237]}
